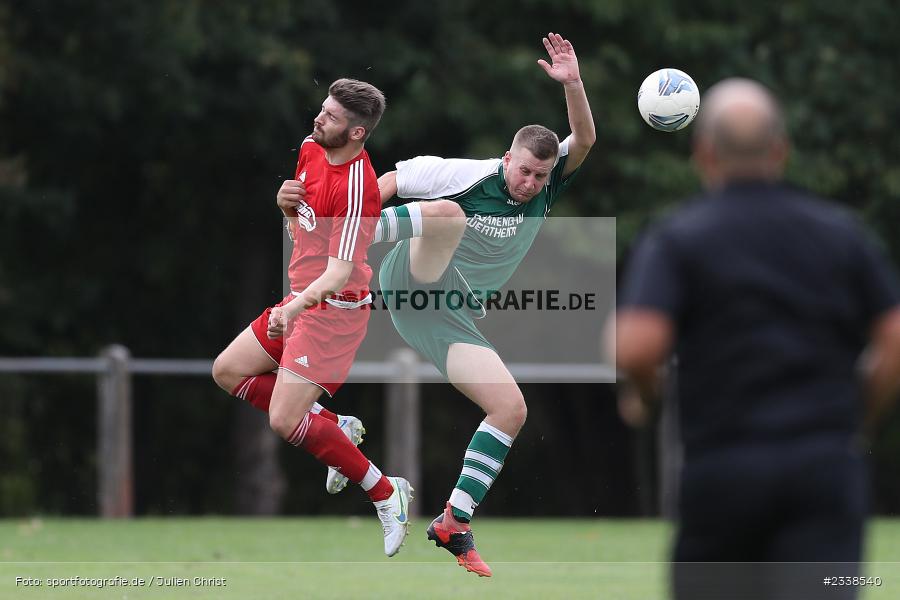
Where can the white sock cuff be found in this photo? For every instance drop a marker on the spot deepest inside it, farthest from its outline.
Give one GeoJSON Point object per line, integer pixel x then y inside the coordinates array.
{"type": "Point", "coordinates": [372, 476]}
{"type": "Point", "coordinates": [299, 433]}
{"type": "Point", "coordinates": [392, 226]}
{"type": "Point", "coordinates": [415, 218]}
{"type": "Point", "coordinates": [501, 437]}
{"type": "Point", "coordinates": [461, 500]}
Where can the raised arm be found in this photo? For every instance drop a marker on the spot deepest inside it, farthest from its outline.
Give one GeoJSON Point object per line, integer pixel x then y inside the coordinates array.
{"type": "Point", "coordinates": [563, 67]}
{"type": "Point", "coordinates": [387, 186]}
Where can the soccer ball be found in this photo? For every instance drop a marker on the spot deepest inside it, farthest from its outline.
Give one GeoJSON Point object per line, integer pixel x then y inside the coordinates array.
{"type": "Point", "coordinates": [668, 100]}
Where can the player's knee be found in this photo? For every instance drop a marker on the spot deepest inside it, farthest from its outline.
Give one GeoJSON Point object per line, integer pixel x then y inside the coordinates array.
{"type": "Point", "coordinates": [515, 411]}
{"type": "Point", "coordinates": [518, 412]}
{"type": "Point", "coordinates": [223, 375]}
{"type": "Point", "coordinates": [449, 217]}
{"type": "Point", "coordinates": [449, 209]}
{"type": "Point", "coordinates": [282, 423]}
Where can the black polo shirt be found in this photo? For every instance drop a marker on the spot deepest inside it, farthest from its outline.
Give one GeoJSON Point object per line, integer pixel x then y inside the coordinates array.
{"type": "Point", "coordinates": [773, 293]}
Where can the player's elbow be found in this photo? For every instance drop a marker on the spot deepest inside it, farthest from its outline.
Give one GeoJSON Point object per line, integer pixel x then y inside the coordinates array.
{"type": "Point", "coordinates": [387, 186]}
{"type": "Point", "coordinates": [337, 274]}
{"type": "Point", "coordinates": [339, 282]}
{"type": "Point", "coordinates": [585, 140]}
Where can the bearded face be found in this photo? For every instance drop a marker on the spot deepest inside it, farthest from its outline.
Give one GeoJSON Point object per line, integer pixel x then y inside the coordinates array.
{"type": "Point", "coordinates": [331, 128]}
{"type": "Point", "coordinates": [332, 139]}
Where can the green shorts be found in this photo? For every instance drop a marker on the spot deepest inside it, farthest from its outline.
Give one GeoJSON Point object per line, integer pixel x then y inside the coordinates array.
{"type": "Point", "coordinates": [431, 329]}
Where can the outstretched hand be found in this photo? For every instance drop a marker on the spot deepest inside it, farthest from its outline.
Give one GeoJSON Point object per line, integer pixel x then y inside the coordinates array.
{"type": "Point", "coordinates": [564, 67]}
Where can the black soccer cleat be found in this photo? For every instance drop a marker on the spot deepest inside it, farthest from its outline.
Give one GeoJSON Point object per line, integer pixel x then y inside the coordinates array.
{"type": "Point", "coordinates": [457, 538]}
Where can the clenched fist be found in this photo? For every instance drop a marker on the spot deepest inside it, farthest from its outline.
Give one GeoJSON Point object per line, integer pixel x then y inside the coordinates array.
{"type": "Point", "coordinates": [289, 196]}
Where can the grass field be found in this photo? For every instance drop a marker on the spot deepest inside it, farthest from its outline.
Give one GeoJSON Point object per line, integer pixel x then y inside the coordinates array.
{"type": "Point", "coordinates": [342, 558]}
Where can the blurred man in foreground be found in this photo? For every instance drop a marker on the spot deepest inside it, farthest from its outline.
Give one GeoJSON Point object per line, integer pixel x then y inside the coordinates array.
{"type": "Point", "coordinates": [769, 297]}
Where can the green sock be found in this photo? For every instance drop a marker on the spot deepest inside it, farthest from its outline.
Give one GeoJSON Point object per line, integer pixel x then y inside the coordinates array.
{"type": "Point", "coordinates": [399, 223]}
{"type": "Point", "coordinates": [483, 461]}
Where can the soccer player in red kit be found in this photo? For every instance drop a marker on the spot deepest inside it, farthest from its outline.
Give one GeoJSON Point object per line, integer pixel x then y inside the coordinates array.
{"type": "Point", "coordinates": [332, 207]}
{"type": "Point", "coordinates": [246, 368]}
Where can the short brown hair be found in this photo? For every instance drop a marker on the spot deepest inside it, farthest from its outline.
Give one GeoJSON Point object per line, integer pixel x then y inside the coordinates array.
{"type": "Point", "coordinates": [538, 140]}
{"type": "Point", "coordinates": [363, 101]}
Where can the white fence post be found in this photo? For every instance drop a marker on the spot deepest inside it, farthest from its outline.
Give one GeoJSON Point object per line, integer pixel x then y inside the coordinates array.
{"type": "Point", "coordinates": [115, 483]}
{"type": "Point", "coordinates": [402, 421]}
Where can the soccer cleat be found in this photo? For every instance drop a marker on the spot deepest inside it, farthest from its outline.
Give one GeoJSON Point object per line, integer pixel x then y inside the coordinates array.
{"type": "Point", "coordinates": [394, 515]}
{"type": "Point", "coordinates": [354, 430]}
{"type": "Point", "coordinates": [457, 538]}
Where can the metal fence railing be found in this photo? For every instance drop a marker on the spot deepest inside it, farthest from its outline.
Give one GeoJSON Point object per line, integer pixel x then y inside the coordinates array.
{"type": "Point", "coordinates": [403, 373]}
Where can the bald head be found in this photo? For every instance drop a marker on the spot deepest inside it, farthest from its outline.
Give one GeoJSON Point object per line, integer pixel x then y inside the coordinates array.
{"type": "Point", "coordinates": [740, 133]}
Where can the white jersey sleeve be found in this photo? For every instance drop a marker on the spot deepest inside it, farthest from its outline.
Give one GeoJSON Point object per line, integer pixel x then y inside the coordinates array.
{"type": "Point", "coordinates": [430, 177]}
{"type": "Point", "coordinates": [564, 147]}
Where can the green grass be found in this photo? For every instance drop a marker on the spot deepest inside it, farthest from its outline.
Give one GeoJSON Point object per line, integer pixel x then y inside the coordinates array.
{"type": "Point", "coordinates": [342, 558]}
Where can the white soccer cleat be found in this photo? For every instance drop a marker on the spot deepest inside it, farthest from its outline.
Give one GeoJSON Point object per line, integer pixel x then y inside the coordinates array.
{"type": "Point", "coordinates": [394, 515]}
{"type": "Point", "coordinates": [354, 430]}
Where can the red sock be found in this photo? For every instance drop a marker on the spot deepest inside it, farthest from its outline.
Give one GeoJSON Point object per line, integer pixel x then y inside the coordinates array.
{"type": "Point", "coordinates": [256, 390]}
{"type": "Point", "coordinates": [382, 489]}
{"type": "Point", "coordinates": [323, 439]}
{"type": "Point", "coordinates": [324, 412]}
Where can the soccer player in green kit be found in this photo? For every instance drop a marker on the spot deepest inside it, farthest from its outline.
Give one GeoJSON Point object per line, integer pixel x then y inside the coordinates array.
{"type": "Point", "coordinates": [477, 222]}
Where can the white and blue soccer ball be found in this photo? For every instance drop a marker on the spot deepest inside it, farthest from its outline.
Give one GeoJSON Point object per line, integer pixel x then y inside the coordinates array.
{"type": "Point", "coordinates": [668, 100]}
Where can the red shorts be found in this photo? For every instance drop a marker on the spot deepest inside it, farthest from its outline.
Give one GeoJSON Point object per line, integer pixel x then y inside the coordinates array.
{"type": "Point", "coordinates": [319, 345]}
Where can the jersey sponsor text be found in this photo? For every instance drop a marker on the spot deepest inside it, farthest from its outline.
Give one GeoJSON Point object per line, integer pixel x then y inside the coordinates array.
{"type": "Point", "coordinates": [498, 227]}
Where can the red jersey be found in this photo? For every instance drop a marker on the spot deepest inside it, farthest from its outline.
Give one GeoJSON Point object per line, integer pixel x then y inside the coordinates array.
{"type": "Point", "coordinates": [337, 218]}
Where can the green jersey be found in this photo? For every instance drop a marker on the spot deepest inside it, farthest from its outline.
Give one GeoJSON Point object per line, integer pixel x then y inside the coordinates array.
{"type": "Point", "coordinates": [499, 229]}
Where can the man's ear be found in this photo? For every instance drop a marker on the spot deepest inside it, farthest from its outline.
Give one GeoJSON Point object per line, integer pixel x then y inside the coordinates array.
{"type": "Point", "coordinates": [358, 133]}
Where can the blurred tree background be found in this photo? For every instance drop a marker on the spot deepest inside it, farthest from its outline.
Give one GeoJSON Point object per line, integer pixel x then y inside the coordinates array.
{"type": "Point", "coordinates": [142, 143]}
